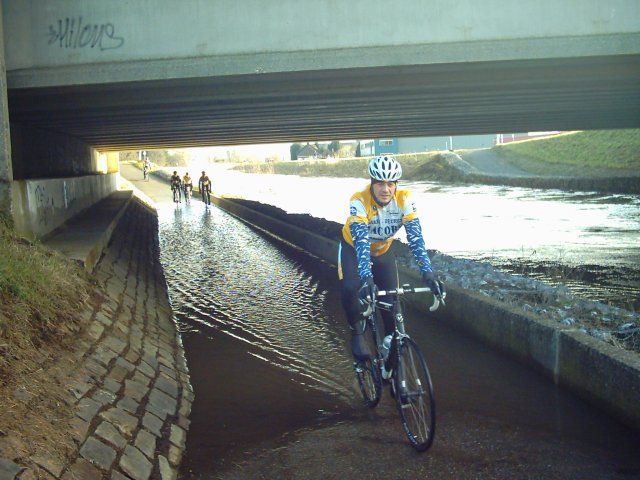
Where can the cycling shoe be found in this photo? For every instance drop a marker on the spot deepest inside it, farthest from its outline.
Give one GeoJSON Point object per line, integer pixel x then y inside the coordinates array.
{"type": "Point", "coordinates": [360, 347]}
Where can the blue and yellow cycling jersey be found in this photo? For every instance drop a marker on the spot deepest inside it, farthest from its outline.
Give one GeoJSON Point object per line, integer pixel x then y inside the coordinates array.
{"type": "Point", "coordinates": [370, 228]}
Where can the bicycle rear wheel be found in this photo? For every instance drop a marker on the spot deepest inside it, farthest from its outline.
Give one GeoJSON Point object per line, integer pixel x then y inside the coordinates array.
{"type": "Point", "coordinates": [414, 396]}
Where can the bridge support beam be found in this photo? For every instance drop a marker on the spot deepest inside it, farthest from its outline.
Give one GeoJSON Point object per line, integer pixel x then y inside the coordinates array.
{"type": "Point", "coordinates": [6, 171]}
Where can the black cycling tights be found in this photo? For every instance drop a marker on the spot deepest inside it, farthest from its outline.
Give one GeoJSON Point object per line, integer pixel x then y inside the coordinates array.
{"type": "Point", "coordinates": [384, 276]}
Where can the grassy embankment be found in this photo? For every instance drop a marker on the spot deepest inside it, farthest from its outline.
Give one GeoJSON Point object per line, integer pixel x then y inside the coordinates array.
{"type": "Point", "coordinates": [41, 293]}
{"type": "Point", "coordinates": [585, 157]}
{"type": "Point", "coordinates": [41, 296]}
{"type": "Point", "coordinates": [595, 153]}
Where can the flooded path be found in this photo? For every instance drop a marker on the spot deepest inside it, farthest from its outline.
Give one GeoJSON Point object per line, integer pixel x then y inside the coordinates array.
{"type": "Point", "coordinates": [266, 344]}
{"type": "Point", "coordinates": [257, 330]}
{"type": "Point", "coordinates": [267, 349]}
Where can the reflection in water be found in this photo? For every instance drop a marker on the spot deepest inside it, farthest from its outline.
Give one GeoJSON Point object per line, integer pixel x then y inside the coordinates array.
{"type": "Point", "coordinates": [258, 329]}
{"type": "Point", "coordinates": [252, 293]}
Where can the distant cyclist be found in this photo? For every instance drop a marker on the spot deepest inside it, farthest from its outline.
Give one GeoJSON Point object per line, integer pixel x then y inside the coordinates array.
{"type": "Point", "coordinates": [146, 168]}
{"type": "Point", "coordinates": [204, 184]}
{"type": "Point", "coordinates": [187, 187]}
{"type": "Point", "coordinates": [364, 261]}
{"type": "Point", "coordinates": [176, 183]}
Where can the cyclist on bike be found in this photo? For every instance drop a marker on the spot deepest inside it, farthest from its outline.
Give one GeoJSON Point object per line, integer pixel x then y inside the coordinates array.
{"type": "Point", "coordinates": [176, 187]}
{"type": "Point", "coordinates": [146, 167]}
{"type": "Point", "coordinates": [187, 186]}
{"type": "Point", "coordinates": [364, 261]}
{"type": "Point", "coordinates": [204, 184]}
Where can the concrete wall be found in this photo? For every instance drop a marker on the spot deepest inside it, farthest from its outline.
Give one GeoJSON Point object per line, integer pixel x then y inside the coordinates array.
{"type": "Point", "coordinates": [109, 162]}
{"type": "Point", "coordinates": [55, 177]}
{"type": "Point", "coordinates": [41, 206]}
{"type": "Point", "coordinates": [204, 38]}
{"type": "Point", "coordinates": [602, 374]}
{"type": "Point", "coordinates": [38, 153]}
{"type": "Point", "coordinates": [6, 174]}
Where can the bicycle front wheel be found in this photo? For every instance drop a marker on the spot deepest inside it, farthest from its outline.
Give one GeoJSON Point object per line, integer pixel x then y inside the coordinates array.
{"type": "Point", "coordinates": [369, 380]}
{"type": "Point", "coordinates": [368, 371]}
{"type": "Point", "coordinates": [414, 396]}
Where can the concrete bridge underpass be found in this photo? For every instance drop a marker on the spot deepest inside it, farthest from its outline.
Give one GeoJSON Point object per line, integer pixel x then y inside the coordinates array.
{"type": "Point", "coordinates": [87, 78]}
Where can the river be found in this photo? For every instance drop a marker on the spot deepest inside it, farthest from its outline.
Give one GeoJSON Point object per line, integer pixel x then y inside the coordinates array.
{"type": "Point", "coordinates": [585, 240]}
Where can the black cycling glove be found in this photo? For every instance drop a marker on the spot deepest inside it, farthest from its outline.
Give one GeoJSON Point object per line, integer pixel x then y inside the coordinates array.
{"type": "Point", "coordinates": [431, 281]}
{"type": "Point", "coordinates": [368, 291]}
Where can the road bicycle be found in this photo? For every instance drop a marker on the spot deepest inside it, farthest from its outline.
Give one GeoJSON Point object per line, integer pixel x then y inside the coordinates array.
{"type": "Point", "coordinates": [402, 365]}
{"type": "Point", "coordinates": [145, 173]}
{"type": "Point", "coordinates": [187, 195]}
{"type": "Point", "coordinates": [176, 193]}
{"type": "Point", "coordinates": [206, 194]}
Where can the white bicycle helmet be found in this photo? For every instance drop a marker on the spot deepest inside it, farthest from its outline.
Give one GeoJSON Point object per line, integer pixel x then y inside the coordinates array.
{"type": "Point", "coordinates": [385, 168]}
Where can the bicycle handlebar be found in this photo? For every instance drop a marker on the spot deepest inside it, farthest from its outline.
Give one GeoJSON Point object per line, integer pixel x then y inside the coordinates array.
{"type": "Point", "coordinates": [437, 299]}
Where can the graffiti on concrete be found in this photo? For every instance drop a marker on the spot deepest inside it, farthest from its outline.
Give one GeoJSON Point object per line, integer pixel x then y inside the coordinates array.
{"type": "Point", "coordinates": [73, 33]}
{"type": "Point", "coordinates": [69, 193]}
{"type": "Point", "coordinates": [44, 205]}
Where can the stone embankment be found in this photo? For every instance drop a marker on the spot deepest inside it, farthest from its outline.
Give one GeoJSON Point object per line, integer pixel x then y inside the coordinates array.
{"type": "Point", "coordinates": [129, 384]}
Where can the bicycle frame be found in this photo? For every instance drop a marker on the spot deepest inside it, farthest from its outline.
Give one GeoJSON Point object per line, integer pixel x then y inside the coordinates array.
{"type": "Point", "coordinates": [205, 192]}
{"type": "Point", "coordinates": [398, 318]}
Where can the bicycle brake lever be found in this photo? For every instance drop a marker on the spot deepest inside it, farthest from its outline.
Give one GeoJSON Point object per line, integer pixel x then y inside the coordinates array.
{"type": "Point", "coordinates": [435, 305]}
{"type": "Point", "coordinates": [437, 301]}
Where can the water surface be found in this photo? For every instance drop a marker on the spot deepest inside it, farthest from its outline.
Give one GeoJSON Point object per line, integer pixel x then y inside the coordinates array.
{"type": "Point", "coordinates": [586, 240]}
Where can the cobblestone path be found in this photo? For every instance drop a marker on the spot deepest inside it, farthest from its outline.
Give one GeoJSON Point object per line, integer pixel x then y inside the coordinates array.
{"type": "Point", "coordinates": [130, 385]}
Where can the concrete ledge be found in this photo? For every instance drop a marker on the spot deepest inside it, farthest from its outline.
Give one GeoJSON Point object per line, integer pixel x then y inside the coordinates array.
{"type": "Point", "coordinates": [533, 341]}
{"type": "Point", "coordinates": [320, 246]}
{"type": "Point", "coordinates": [41, 206]}
{"type": "Point", "coordinates": [607, 376]}
{"type": "Point", "coordinates": [85, 237]}
{"type": "Point", "coordinates": [598, 372]}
